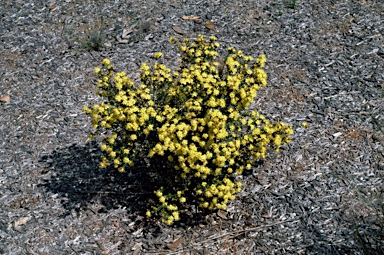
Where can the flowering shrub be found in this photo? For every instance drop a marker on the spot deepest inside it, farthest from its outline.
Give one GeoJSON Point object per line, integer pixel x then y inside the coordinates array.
{"type": "Point", "coordinates": [195, 121]}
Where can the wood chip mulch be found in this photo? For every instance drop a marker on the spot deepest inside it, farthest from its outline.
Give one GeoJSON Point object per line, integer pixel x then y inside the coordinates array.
{"type": "Point", "coordinates": [322, 194]}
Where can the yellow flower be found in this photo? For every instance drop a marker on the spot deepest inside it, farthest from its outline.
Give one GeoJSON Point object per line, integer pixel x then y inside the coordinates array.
{"type": "Point", "coordinates": [208, 193]}
{"type": "Point", "coordinates": [159, 118]}
{"type": "Point", "coordinates": [176, 216]}
{"type": "Point", "coordinates": [97, 70]}
{"type": "Point", "coordinates": [261, 60]}
{"type": "Point", "coordinates": [148, 214]}
{"type": "Point", "coordinates": [111, 140]}
{"type": "Point", "coordinates": [159, 193]}
{"type": "Point", "coordinates": [169, 221]}
{"type": "Point", "coordinates": [103, 147]}
{"type": "Point", "coordinates": [304, 124]}
{"type": "Point", "coordinates": [171, 208]}
{"type": "Point", "coordinates": [158, 55]}
{"type": "Point", "coordinates": [183, 48]}
{"type": "Point", "coordinates": [106, 62]}
{"type": "Point", "coordinates": [126, 160]}
{"type": "Point", "coordinates": [116, 161]}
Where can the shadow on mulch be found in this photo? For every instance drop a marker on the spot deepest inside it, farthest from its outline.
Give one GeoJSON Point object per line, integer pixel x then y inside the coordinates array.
{"type": "Point", "coordinates": [78, 180]}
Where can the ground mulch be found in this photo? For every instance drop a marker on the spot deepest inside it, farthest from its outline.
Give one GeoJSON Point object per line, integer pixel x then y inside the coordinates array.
{"type": "Point", "coordinates": [321, 194]}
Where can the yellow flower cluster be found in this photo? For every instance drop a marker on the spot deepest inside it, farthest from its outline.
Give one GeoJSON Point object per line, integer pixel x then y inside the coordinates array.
{"type": "Point", "coordinates": [218, 194]}
{"type": "Point", "coordinates": [197, 119]}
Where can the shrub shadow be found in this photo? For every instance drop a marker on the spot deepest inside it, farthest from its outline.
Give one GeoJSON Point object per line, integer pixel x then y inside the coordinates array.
{"type": "Point", "coordinates": [78, 180]}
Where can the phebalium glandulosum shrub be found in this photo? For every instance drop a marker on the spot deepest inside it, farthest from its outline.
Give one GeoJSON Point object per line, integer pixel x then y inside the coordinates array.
{"type": "Point", "coordinates": [196, 119]}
